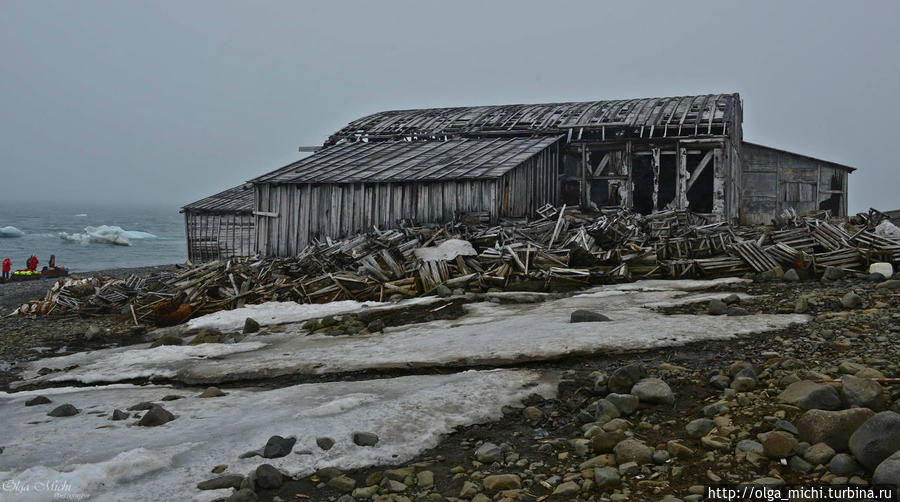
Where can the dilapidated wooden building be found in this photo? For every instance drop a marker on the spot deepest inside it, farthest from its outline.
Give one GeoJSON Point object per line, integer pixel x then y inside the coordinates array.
{"type": "Point", "coordinates": [439, 164]}
{"type": "Point", "coordinates": [221, 225]}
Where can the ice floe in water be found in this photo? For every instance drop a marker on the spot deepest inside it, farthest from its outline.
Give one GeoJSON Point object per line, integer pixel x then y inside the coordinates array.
{"type": "Point", "coordinates": [488, 334]}
{"type": "Point", "coordinates": [10, 232]}
{"type": "Point", "coordinates": [106, 234]}
{"type": "Point", "coordinates": [409, 414]}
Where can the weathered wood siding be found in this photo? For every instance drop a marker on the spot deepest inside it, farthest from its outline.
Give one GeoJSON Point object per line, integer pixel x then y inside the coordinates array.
{"type": "Point", "coordinates": [775, 180]}
{"type": "Point", "coordinates": [290, 215]}
{"type": "Point", "coordinates": [212, 236]}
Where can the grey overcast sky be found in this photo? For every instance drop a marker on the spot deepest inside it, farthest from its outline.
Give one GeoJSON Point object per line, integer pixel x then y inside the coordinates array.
{"type": "Point", "coordinates": [166, 102]}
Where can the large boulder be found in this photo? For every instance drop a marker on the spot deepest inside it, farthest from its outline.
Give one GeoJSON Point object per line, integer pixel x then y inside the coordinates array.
{"type": "Point", "coordinates": [809, 395]}
{"type": "Point", "coordinates": [654, 391]}
{"type": "Point", "coordinates": [861, 392]}
{"type": "Point", "coordinates": [888, 471]}
{"type": "Point", "coordinates": [157, 415]}
{"type": "Point", "coordinates": [877, 439]}
{"type": "Point", "coordinates": [277, 447]}
{"type": "Point", "coordinates": [833, 428]}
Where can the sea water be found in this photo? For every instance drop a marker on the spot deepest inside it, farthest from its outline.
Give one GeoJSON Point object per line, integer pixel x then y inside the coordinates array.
{"type": "Point", "coordinates": [88, 237]}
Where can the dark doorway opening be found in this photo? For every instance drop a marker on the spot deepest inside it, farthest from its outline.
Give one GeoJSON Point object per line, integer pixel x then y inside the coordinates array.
{"type": "Point", "coordinates": [700, 195]}
{"type": "Point", "coordinates": [834, 202]}
{"type": "Point", "coordinates": [668, 178]}
{"type": "Point", "coordinates": [642, 177]}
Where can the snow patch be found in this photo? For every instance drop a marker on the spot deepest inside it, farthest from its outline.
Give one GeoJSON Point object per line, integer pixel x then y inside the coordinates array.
{"type": "Point", "coordinates": [105, 234]}
{"type": "Point", "coordinates": [488, 334]}
{"type": "Point", "coordinates": [409, 415]}
{"type": "Point", "coordinates": [270, 313]}
{"type": "Point", "coordinates": [10, 232]}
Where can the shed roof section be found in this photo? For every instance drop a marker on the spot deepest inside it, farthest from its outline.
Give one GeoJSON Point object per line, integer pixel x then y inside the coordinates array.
{"type": "Point", "coordinates": [379, 162]}
{"type": "Point", "coordinates": [708, 111]}
{"type": "Point", "coordinates": [830, 163]}
{"type": "Point", "coordinates": [234, 200]}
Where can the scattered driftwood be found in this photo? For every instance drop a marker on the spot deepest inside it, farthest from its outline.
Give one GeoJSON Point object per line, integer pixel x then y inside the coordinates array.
{"type": "Point", "coordinates": [561, 249]}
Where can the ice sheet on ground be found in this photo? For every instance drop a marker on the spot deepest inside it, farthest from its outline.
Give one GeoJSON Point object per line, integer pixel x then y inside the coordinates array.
{"type": "Point", "coordinates": [106, 234]}
{"type": "Point", "coordinates": [489, 334]}
{"type": "Point", "coordinates": [10, 232]}
{"type": "Point", "coordinates": [445, 251]}
{"type": "Point", "coordinates": [289, 312]}
{"type": "Point", "coordinates": [408, 414]}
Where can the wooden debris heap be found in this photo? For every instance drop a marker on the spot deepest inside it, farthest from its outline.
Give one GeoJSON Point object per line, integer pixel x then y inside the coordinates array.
{"type": "Point", "coordinates": [562, 249]}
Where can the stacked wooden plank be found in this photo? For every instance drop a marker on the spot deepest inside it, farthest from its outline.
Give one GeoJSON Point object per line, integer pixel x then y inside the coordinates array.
{"type": "Point", "coordinates": [561, 249]}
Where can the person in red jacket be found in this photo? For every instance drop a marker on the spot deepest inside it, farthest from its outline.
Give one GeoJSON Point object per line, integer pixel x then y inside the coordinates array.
{"type": "Point", "coordinates": [32, 263]}
{"type": "Point", "coordinates": [7, 266]}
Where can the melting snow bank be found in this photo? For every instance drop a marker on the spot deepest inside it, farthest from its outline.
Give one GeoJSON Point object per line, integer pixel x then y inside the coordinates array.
{"type": "Point", "coordinates": [105, 234]}
{"type": "Point", "coordinates": [488, 334]}
{"type": "Point", "coordinates": [409, 414]}
{"type": "Point", "coordinates": [270, 313]}
{"type": "Point", "coordinates": [10, 232]}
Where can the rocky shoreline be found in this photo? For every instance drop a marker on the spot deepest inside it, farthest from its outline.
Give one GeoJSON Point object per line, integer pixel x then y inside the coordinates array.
{"type": "Point", "coordinates": [809, 404]}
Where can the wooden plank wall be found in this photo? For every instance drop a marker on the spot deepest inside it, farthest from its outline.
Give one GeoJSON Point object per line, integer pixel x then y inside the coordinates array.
{"type": "Point", "coordinates": [212, 236]}
{"type": "Point", "coordinates": [290, 216]}
{"type": "Point", "coordinates": [775, 180]}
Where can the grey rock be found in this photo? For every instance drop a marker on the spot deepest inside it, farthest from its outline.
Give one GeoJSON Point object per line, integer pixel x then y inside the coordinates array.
{"type": "Point", "coordinates": [798, 464]}
{"type": "Point", "coordinates": [146, 405]}
{"type": "Point", "coordinates": [876, 277]}
{"type": "Point", "coordinates": [623, 379]}
{"type": "Point", "coordinates": [567, 489]}
{"type": "Point", "coordinates": [632, 450]}
{"type": "Point", "coordinates": [888, 471]}
{"type": "Point", "coordinates": [786, 426]}
{"type": "Point", "coordinates": [587, 316]}
{"type": "Point", "coordinates": [606, 477]}
{"type": "Point", "coordinates": [324, 443]}
{"type": "Point", "coordinates": [221, 482]}
{"type": "Point", "coordinates": [603, 410]}
{"type": "Point", "coordinates": [604, 442]}
{"type": "Point", "coordinates": [736, 312]}
{"type": "Point", "coordinates": [119, 415]}
{"type": "Point", "coordinates": [654, 391]}
{"type": "Point", "coordinates": [808, 395]}
{"type": "Point", "coordinates": [731, 299]}
{"type": "Point", "coordinates": [851, 300]}
{"type": "Point", "coordinates": [626, 403]}
{"type": "Point", "coordinates": [155, 416]}
{"type": "Point", "coordinates": [833, 428]}
{"type": "Point", "coordinates": [750, 446]}
{"type": "Point", "coordinates": [212, 392]}
{"type": "Point", "coordinates": [277, 447]}
{"type": "Point", "coordinates": [819, 453]}
{"type": "Point", "coordinates": [64, 410]}
{"type": "Point", "coordinates": [833, 274]}
{"type": "Point", "coordinates": [877, 439]}
{"type": "Point", "coordinates": [488, 453]}
{"type": "Point", "coordinates": [699, 427]}
{"type": "Point", "coordinates": [498, 482]}
{"type": "Point", "coordinates": [250, 325]}
{"type": "Point", "coordinates": [243, 495]}
{"type": "Point", "coordinates": [443, 291]}
{"type": "Point", "coordinates": [717, 307]}
{"type": "Point", "coordinates": [791, 275]}
{"type": "Point", "coordinates": [37, 400]}
{"type": "Point", "coordinates": [375, 326]}
{"type": "Point", "coordinates": [268, 477]}
{"type": "Point", "coordinates": [889, 284]}
{"type": "Point", "coordinates": [660, 456]}
{"type": "Point", "coordinates": [843, 464]}
{"type": "Point", "coordinates": [365, 438]}
{"type": "Point", "coordinates": [342, 483]}
{"type": "Point", "coordinates": [861, 392]}
{"type": "Point", "coordinates": [720, 381]}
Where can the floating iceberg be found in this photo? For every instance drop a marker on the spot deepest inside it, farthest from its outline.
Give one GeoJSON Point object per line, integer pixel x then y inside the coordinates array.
{"type": "Point", "coordinates": [105, 234]}
{"type": "Point", "coordinates": [10, 232]}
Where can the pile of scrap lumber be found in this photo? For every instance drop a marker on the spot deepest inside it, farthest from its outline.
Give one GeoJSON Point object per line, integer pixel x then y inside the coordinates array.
{"type": "Point", "coordinates": [561, 249]}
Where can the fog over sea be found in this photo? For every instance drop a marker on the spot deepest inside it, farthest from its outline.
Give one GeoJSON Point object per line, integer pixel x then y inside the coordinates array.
{"type": "Point", "coordinates": [88, 237]}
